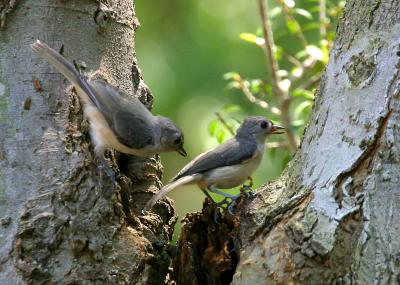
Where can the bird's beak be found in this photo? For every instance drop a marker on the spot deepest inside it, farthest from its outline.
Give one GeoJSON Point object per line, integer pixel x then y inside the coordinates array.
{"type": "Point", "coordinates": [182, 151]}
{"type": "Point", "coordinates": [275, 129]}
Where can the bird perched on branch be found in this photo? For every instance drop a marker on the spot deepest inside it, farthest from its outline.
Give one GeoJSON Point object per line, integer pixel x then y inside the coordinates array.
{"type": "Point", "coordinates": [116, 120]}
{"type": "Point", "coordinates": [229, 164]}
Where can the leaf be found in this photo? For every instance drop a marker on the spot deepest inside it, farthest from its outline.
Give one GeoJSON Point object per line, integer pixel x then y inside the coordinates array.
{"type": "Point", "coordinates": [293, 26]}
{"type": "Point", "coordinates": [303, 93]}
{"type": "Point", "coordinates": [231, 76]}
{"type": "Point", "coordinates": [268, 88]}
{"type": "Point", "coordinates": [284, 84]}
{"type": "Point", "coordinates": [315, 52]}
{"type": "Point", "coordinates": [289, 3]}
{"type": "Point", "coordinates": [233, 85]}
{"type": "Point", "coordinates": [311, 26]}
{"type": "Point", "coordinates": [212, 127]}
{"type": "Point", "coordinates": [220, 136]}
{"type": "Point", "coordinates": [248, 37]}
{"type": "Point", "coordinates": [252, 38]}
{"type": "Point", "coordinates": [298, 123]}
{"type": "Point", "coordinates": [274, 12]}
{"type": "Point", "coordinates": [301, 108]}
{"type": "Point", "coordinates": [231, 108]}
{"type": "Point", "coordinates": [255, 86]}
{"type": "Point", "coordinates": [303, 13]}
{"type": "Point", "coordinates": [278, 52]}
{"type": "Point", "coordinates": [283, 73]}
{"type": "Point", "coordinates": [301, 54]}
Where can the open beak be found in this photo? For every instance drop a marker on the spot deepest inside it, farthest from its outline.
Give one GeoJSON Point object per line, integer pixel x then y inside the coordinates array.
{"type": "Point", "coordinates": [275, 129]}
{"type": "Point", "coordinates": [182, 151]}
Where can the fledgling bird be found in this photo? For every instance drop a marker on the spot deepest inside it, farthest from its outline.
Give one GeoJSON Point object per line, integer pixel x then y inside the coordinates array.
{"type": "Point", "coordinates": [229, 164]}
{"type": "Point", "coordinates": [116, 120]}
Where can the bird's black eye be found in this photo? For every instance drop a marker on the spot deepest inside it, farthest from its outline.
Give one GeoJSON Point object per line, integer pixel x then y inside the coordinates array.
{"type": "Point", "coordinates": [177, 141]}
{"type": "Point", "coordinates": [264, 124]}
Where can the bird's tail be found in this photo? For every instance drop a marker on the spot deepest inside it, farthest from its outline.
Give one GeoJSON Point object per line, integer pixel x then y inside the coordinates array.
{"type": "Point", "coordinates": [169, 187]}
{"type": "Point", "coordinates": [63, 66]}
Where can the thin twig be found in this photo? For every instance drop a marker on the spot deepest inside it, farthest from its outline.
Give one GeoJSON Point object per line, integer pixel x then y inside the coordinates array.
{"type": "Point", "coordinates": [272, 64]}
{"type": "Point", "coordinates": [269, 46]}
{"type": "Point", "coordinates": [311, 82]}
{"type": "Point", "coordinates": [253, 99]}
{"type": "Point", "coordinates": [226, 125]}
{"type": "Point", "coordinates": [322, 18]}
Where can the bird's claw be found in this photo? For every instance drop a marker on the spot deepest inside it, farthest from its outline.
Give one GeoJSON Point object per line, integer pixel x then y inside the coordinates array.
{"type": "Point", "coordinates": [231, 208]}
{"type": "Point", "coordinates": [247, 190]}
{"type": "Point", "coordinates": [223, 203]}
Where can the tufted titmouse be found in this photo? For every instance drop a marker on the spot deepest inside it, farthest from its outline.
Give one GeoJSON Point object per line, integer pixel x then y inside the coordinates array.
{"type": "Point", "coordinates": [116, 120]}
{"type": "Point", "coordinates": [228, 165]}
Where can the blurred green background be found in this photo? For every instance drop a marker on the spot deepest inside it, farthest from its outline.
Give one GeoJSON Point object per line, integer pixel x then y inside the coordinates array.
{"type": "Point", "coordinates": [185, 47]}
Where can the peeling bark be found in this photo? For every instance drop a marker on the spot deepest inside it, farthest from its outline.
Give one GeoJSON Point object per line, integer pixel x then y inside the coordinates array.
{"type": "Point", "coordinates": [332, 217]}
{"type": "Point", "coordinates": [63, 221]}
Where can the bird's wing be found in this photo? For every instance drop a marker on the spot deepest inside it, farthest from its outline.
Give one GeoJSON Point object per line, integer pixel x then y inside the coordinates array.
{"type": "Point", "coordinates": [232, 152]}
{"type": "Point", "coordinates": [132, 130]}
{"type": "Point", "coordinates": [130, 120]}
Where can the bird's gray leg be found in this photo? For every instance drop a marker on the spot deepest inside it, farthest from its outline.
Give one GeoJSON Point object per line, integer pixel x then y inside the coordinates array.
{"type": "Point", "coordinates": [216, 211]}
{"type": "Point", "coordinates": [247, 188]}
{"type": "Point", "coordinates": [214, 189]}
{"type": "Point", "coordinates": [103, 165]}
{"type": "Point", "coordinates": [208, 196]}
{"type": "Point", "coordinates": [229, 205]}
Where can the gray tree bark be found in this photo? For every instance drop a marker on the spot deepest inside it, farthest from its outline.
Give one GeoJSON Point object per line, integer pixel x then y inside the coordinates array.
{"type": "Point", "coordinates": [62, 220]}
{"type": "Point", "coordinates": [332, 217]}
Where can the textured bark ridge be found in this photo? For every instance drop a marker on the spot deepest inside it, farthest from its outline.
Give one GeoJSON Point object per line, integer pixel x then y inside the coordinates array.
{"type": "Point", "coordinates": [63, 221]}
{"type": "Point", "coordinates": [332, 218]}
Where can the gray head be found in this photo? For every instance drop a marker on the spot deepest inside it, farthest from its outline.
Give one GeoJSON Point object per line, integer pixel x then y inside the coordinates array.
{"type": "Point", "coordinates": [258, 128]}
{"type": "Point", "coordinates": [171, 136]}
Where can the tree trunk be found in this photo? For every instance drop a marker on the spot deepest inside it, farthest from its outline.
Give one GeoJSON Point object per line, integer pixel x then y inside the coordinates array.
{"type": "Point", "coordinates": [63, 221]}
{"type": "Point", "coordinates": [332, 217]}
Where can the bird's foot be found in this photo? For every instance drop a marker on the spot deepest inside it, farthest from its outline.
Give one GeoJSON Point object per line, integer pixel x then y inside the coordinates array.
{"type": "Point", "coordinates": [229, 204]}
{"type": "Point", "coordinates": [247, 190]}
{"type": "Point", "coordinates": [232, 207]}
{"type": "Point", "coordinates": [224, 203]}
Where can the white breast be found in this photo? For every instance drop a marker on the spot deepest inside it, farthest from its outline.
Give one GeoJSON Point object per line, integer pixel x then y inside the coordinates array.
{"type": "Point", "coordinates": [232, 176]}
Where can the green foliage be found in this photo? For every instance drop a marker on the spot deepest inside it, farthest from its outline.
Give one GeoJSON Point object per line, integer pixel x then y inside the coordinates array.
{"type": "Point", "coordinates": [301, 38]}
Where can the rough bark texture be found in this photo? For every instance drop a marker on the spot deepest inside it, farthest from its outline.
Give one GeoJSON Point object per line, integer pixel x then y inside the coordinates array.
{"type": "Point", "coordinates": [206, 250]}
{"type": "Point", "coordinates": [332, 217]}
{"type": "Point", "coordinates": [63, 221]}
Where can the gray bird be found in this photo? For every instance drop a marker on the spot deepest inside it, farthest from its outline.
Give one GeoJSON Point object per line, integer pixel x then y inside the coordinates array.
{"type": "Point", "coordinates": [116, 120]}
{"type": "Point", "coordinates": [229, 164]}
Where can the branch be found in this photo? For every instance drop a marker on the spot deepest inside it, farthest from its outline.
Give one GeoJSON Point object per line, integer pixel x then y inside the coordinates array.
{"type": "Point", "coordinates": [226, 125]}
{"type": "Point", "coordinates": [272, 64]}
{"type": "Point", "coordinates": [253, 99]}
{"type": "Point", "coordinates": [322, 18]}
